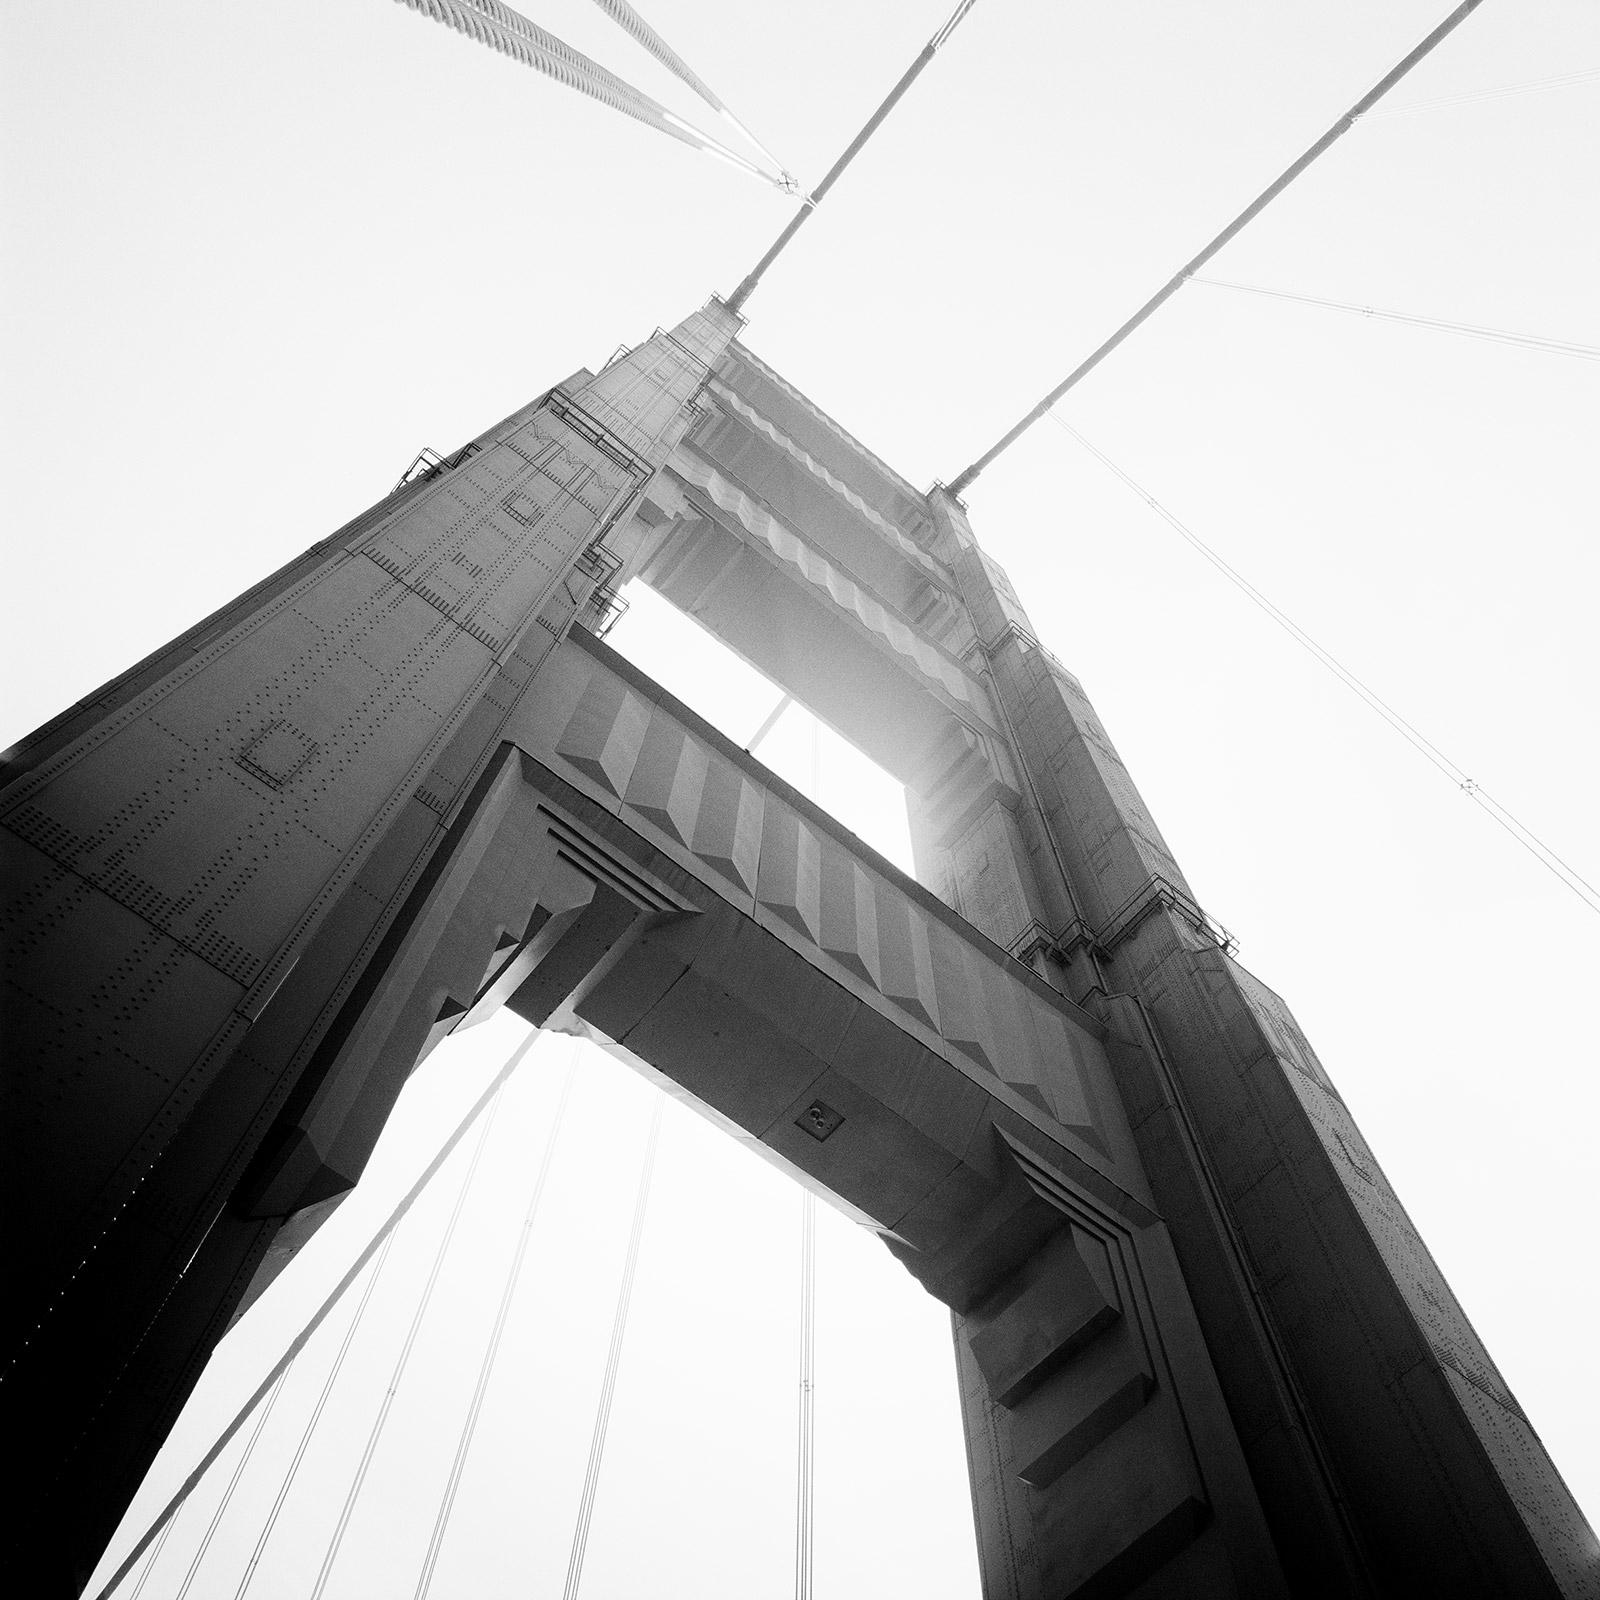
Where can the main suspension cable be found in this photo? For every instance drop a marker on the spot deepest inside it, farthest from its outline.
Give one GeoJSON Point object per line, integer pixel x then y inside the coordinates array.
{"type": "Point", "coordinates": [262, 1416]}
{"type": "Point", "coordinates": [608, 1385]}
{"type": "Point", "coordinates": [1525, 341]}
{"type": "Point", "coordinates": [469, 1427]}
{"type": "Point", "coordinates": [375, 1433]}
{"type": "Point", "coordinates": [511, 33]}
{"type": "Point", "coordinates": [155, 1554]}
{"type": "Point", "coordinates": [315, 1417]}
{"type": "Point", "coordinates": [1564, 81]}
{"type": "Point", "coordinates": [1340, 127]}
{"type": "Point", "coordinates": [637, 28]}
{"type": "Point", "coordinates": [814, 199]}
{"type": "Point", "coordinates": [331, 1299]}
{"type": "Point", "coordinates": [1424, 746]}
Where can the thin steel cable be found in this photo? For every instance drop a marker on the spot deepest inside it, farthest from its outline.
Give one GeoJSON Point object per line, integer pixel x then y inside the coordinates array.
{"type": "Point", "coordinates": [511, 33]}
{"type": "Point", "coordinates": [608, 1386]}
{"type": "Point", "coordinates": [1526, 341]}
{"type": "Point", "coordinates": [310, 1427]}
{"type": "Point", "coordinates": [637, 28]}
{"type": "Point", "coordinates": [769, 724]}
{"type": "Point", "coordinates": [805, 1464]}
{"type": "Point", "coordinates": [298, 1343]}
{"type": "Point", "coordinates": [1340, 127]}
{"type": "Point", "coordinates": [375, 1433]}
{"type": "Point", "coordinates": [1505, 92]}
{"type": "Point", "coordinates": [805, 1475]}
{"type": "Point", "coordinates": [469, 1427]}
{"type": "Point", "coordinates": [814, 199]}
{"type": "Point", "coordinates": [239, 1466]}
{"type": "Point", "coordinates": [1457, 774]}
{"type": "Point", "coordinates": [155, 1554]}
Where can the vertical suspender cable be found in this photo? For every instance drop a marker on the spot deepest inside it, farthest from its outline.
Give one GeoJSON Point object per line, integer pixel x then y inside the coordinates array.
{"type": "Point", "coordinates": [376, 1432]}
{"type": "Point", "coordinates": [155, 1555]}
{"type": "Point", "coordinates": [805, 1466]}
{"type": "Point", "coordinates": [769, 723]}
{"type": "Point", "coordinates": [805, 1463]}
{"type": "Point", "coordinates": [1554, 864]}
{"type": "Point", "coordinates": [608, 1385]}
{"type": "Point", "coordinates": [312, 1421]}
{"type": "Point", "coordinates": [331, 1299]}
{"type": "Point", "coordinates": [447, 1501]}
{"type": "Point", "coordinates": [233, 1483]}
{"type": "Point", "coordinates": [805, 1427]}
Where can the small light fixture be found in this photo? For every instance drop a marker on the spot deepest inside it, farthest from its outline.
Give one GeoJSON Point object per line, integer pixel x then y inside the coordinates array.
{"type": "Point", "coordinates": [818, 1120]}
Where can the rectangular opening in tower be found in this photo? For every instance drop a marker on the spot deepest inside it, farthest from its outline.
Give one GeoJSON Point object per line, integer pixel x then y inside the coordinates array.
{"type": "Point", "coordinates": [807, 752]}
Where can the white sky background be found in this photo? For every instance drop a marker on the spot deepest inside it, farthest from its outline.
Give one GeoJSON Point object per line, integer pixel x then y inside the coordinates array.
{"type": "Point", "coordinates": [256, 256]}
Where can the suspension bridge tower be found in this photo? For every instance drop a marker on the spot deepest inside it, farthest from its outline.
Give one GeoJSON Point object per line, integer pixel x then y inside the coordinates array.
{"type": "Point", "coordinates": [404, 782]}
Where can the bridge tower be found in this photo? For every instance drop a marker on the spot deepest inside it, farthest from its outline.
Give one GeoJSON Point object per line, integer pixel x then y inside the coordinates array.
{"type": "Point", "coordinates": [403, 782]}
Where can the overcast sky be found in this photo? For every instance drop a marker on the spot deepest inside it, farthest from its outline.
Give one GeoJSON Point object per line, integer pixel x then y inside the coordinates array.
{"type": "Point", "coordinates": [258, 255]}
